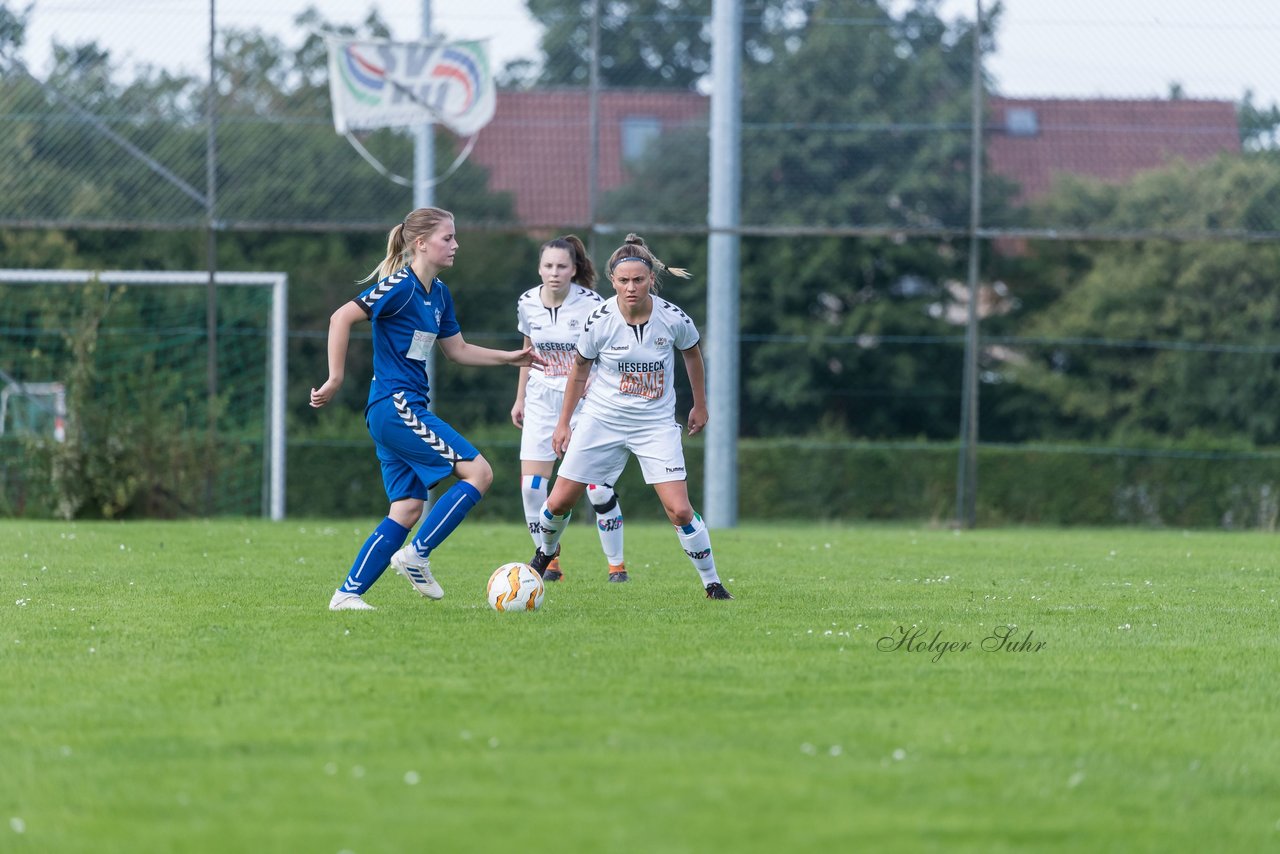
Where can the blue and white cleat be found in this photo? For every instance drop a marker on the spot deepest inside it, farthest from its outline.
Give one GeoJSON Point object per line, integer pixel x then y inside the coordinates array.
{"type": "Point", "coordinates": [417, 569]}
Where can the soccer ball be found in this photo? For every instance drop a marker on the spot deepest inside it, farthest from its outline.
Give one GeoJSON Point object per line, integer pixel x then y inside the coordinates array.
{"type": "Point", "coordinates": [515, 587]}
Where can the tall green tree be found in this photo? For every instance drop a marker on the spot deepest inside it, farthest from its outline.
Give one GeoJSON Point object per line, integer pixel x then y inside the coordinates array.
{"type": "Point", "coordinates": [853, 114]}
{"type": "Point", "coordinates": [653, 43]}
{"type": "Point", "coordinates": [279, 161]}
{"type": "Point", "coordinates": [1192, 326]}
{"type": "Point", "coordinates": [1259, 125]}
{"type": "Point", "coordinates": [278, 158]}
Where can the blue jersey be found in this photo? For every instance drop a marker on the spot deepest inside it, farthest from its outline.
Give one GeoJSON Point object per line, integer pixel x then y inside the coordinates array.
{"type": "Point", "coordinates": [407, 320]}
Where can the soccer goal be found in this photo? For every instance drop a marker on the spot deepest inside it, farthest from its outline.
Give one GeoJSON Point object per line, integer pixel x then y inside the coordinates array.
{"type": "Point", "coordinates": [117, 361]}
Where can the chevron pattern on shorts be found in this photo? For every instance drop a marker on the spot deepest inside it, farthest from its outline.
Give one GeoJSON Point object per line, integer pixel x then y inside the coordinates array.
{"type": "Point", "coordinates": [423, 432]}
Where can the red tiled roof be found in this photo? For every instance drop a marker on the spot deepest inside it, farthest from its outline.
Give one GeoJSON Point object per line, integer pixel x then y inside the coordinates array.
{"type": "Point", "coordinates": [551, 129]}
{"type": "Point", "coordinates": [538, 146]}
{"type": "Point", "coordinates": [1111, 140]}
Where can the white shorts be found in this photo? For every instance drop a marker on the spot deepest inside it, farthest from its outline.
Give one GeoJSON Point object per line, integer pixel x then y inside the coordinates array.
{"type": "Point", "coordinates": [541, 414]}
{"type": "Point", "coordinates": [597, 453]}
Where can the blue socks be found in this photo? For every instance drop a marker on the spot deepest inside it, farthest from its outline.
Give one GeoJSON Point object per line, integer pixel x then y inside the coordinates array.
{"type": "Point", "coordinates": [446, 514]}
{"type": "Point", "coordinates": [373, 557]}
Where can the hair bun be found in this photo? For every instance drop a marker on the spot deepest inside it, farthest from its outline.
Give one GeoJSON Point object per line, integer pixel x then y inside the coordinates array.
{"type": "Point", "coordinates": [634, 239]}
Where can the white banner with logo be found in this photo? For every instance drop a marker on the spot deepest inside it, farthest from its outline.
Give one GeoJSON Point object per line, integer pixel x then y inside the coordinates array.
{"type": "Point", "coordinates": [377, 84]}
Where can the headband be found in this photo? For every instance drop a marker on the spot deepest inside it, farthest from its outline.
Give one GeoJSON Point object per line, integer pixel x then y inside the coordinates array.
{"type": "Point", "coordinates": [644, 261]}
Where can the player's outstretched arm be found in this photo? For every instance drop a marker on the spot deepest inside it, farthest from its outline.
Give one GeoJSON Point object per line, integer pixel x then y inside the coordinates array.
{"type": "Point", "coordinates": [340, 323]}
{"type": "Point", "coordinates": [697, 371]}
{"type": "Point", "coordinates": [456, 349]}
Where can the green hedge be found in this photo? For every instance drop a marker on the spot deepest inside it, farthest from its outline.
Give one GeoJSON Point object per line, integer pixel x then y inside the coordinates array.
{"type": "Point", "coordinates": [828, 481]}
{"type": "Point", "coordinates": [1065, 485]}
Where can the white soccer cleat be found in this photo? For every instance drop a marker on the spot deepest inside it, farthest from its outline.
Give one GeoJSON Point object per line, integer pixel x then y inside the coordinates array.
{"type": "Point", "coordinates": [417, 569]}
{"type": "Point", "coordinates": [349, 602]}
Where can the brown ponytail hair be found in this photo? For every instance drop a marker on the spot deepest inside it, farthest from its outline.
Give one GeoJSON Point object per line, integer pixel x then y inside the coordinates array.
{"type": "Point", "coordinates": [400, 240]}
{"type": "Point", "coordinates": [584, 272]}
{"type": "Point", "coordinates": [635, 249]}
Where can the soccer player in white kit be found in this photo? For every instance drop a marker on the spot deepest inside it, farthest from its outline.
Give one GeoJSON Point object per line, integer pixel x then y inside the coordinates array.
{"type": "Point", "coordinates": [631, 340]}
{"type": "Point", "coordinates": [551, 317]}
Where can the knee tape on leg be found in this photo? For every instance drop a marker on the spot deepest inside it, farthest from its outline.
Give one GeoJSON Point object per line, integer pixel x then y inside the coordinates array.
{"type": "Point", "coordinates": [602, 497]}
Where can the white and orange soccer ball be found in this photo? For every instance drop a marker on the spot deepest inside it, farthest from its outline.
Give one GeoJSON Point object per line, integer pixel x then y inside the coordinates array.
{"type": "Point", "coordinates": [515, 587]}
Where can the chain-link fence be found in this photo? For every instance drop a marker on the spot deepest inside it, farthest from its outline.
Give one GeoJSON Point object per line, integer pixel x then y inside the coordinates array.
{"type": "Point", "coordinates": [1127, 241]}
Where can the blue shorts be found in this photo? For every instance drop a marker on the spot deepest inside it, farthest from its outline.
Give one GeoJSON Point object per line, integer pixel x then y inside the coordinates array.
{"type": "Point", "coordinates": [417, 449]}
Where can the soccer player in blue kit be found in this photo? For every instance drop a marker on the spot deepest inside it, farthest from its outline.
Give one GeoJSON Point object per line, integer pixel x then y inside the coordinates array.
{"type": "Point", "coordinates": [411, 311]}
{"type": "Point", "coordinates": [632, 341]}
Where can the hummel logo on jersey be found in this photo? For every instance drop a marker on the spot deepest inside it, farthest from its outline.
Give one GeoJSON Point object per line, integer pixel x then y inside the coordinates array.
{"type": "Point", "coordinates": [598, 313]}
{"type": "Point", "coordinates": [619, 348]}
{"type": "Point", "coordinates": [671, 470]}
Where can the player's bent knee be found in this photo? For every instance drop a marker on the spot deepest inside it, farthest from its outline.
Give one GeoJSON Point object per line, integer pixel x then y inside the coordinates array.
{"type": "Point", "coordinates": [564, 495]}
{"type": "Point", "coordinates": [476, 472]}
{"type": "Point", "coordinates": [405, 512]}
{"type": "Point", "coordinates": [680, 516]}
{"type": "Point", "coordinates": [602, 497]}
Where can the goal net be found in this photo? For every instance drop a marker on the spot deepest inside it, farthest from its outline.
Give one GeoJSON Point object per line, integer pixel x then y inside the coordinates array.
{"type": "Point", "coordinates": [105, 385]}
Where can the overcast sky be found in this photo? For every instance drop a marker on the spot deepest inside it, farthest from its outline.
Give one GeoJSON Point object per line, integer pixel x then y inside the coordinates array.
{"type": "Point", "coordinates": [1080, 48]}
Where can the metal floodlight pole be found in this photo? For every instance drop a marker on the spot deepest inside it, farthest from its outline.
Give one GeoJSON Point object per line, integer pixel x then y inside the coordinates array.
{"type": "Point", "coordinates": [424, 196]}
{"type": "Point", "coordinates": [967, 465]}
{"type": "Point", "coordinates": [723, 213]}
{"type": "Point", "coordinates": [211, 255]}
{"type": "Point", "coordinates": [424, 141]}
{"type": "Point", "coordinates": [593, 119]}
{"type": "Point", "coordinates": [424, 168]}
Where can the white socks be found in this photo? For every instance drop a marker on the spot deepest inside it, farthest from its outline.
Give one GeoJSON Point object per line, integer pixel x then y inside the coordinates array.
{"type": "Point", "coordinates": [608, 521]}
{"type": "Point", "coordinates": [550, 528]}
{"type": "Point", "coordinates": [695, 539]}
{"type": "Point", "coordinates": [533, 491]}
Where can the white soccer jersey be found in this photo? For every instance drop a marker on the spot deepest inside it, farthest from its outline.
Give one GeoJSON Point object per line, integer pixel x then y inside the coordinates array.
{"type": "Point", "coordinates": [554, 331]}
{"type": "Point", "coordinates": [635, 365]}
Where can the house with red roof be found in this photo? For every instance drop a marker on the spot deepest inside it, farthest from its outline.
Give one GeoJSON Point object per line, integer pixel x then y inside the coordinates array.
{"type": "Point", "coordinates": [1032, 141]}
{"type": "Point", "coordinates": [1029, 141]}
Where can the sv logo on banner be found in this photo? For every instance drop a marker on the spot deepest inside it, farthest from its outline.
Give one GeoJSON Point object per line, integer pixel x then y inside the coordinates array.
{"type": "Point", "coordinates": [390, 84]}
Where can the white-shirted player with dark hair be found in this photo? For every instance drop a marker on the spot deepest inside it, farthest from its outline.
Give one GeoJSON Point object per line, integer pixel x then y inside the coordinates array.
{"type": "Point", "coordinates": [631, 340]}
{"type": "Point", "coordinates": [551, 317]}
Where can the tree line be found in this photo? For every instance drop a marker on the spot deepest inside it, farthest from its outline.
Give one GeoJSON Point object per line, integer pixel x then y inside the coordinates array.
{"type": "Point", "coordinates": [1116, 341]}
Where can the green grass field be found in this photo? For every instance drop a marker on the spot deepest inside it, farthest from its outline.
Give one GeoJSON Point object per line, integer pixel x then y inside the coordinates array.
{"type": "Point", "coordinates": [181, 687]}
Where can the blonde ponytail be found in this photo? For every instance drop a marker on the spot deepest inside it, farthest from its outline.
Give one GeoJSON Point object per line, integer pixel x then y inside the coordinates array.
{"type": "Point", "coordinates": [400, 240]}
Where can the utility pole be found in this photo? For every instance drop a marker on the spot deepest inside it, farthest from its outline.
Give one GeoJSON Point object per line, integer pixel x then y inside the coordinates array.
{"type": "Point", "coordinates": [967, 467]}
{"type": "Point", "coordinates": [724, 214]}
